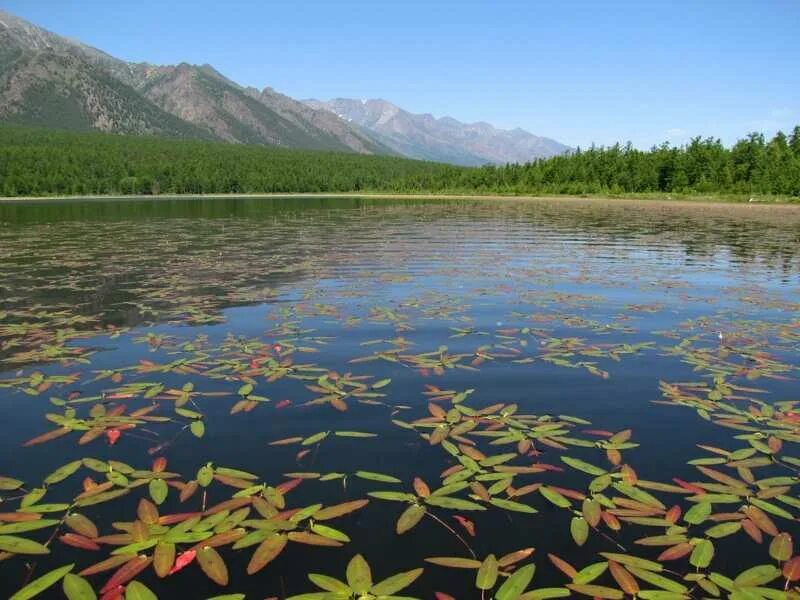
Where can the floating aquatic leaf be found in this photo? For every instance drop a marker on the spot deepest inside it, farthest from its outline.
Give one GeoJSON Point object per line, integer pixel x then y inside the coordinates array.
{"type": "Point", "coordinates": [371, 476]}
{"type": "Point", "coordinates": [781, 547]}
{"type": "Point", "coordinates": [77, 588]}
{"type": "Point", "coordinates": [455, 562]}
{"type": "Point", "coordinates": [269, 549]}
{"type": "Point", "coordinates": [702, 554]}
{"type": "Point", "coordinates": [487, 573]}
{"type": "Point", "coordinates": [212, 565]}
{"type": "Point", "coordinates": [37, 586]}
{"type": "Point", "coordinates": [359, 575]}
{"type": "Point", "coordinates": [395, 583]}
{"type": "Point", "coordinates": [409, 518]}
{"type": "Point", "coordinates": [138, 591]}
{"type": "Point", "coordinates": [18, 545]}
{"type": "Point", "coordinates": [513, 587]}
{"type": "Point", "coordinates": [579, 529]}
{"type": "Point", "coordinates": [597, 591]}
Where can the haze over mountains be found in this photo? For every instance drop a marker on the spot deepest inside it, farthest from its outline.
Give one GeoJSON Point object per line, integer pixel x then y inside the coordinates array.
{"type": "Point", "coordinates": [446, 140]}
{"type": "Point", "coordinates": [48, 80]}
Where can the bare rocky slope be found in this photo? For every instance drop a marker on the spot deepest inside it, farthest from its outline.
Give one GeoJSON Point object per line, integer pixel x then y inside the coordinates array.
{"type": "Point", "coordinates": [47, 80]}
{"type": "Point", "coordinates": [50, 81]}
{"type": "Point", "coordinates": [446, 139]}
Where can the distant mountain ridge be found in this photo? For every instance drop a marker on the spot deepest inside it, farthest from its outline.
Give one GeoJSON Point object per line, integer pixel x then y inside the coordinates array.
{"type": "Point", "coordinates": [50, 81]}
{"type": "Point", "coordinates": [445, 139]}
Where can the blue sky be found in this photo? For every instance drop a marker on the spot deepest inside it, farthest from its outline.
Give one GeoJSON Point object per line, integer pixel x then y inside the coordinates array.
{"type": "Point", "coordinates": [578, 71]}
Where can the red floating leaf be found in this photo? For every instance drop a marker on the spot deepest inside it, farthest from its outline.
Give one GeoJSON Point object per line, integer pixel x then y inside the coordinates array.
{"type": "Point", "coordinates": [184, 559]}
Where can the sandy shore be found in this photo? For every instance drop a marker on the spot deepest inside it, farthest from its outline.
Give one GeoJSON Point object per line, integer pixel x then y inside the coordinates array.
{"type": "Point", "coordinates": [730, 205]}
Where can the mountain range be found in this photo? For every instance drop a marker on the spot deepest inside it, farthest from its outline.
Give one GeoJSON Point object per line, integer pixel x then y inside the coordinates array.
{"type": "Point", "coordinates": [47, 80]}
{"type": "Point", "coordinates": [425, 137]}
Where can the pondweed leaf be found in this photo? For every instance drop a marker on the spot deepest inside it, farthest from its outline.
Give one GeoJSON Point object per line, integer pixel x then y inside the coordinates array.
{"type": "Point", "coordinates": [212, 565]}
{"type": "Point", "coordinates": [702, 554]}
{"type": "Point", "coordinates": [19, 545]}
{"type": "Point", "coordinates": [487, 573]}
{"type": "Point", "coordinates": [513, 587]}
{"type": "Point", "coordinates": [267, 551]}
{"type": "Point", "coordinates": [40, 584]}
{"type": "Point", "coordinates": [138, 591]}
{"type": "Point", "coordinates": [396, 583]}
{"type": "Point", "coordinates": [409, 518]}
{"type": "Point", "coordinates": [359, 575]}
{"type": "Point", "coordinates": [596, 591]}
{"type": "Point", "coordinates": [455, 562]}
{"type": "Point", "coordinates": [371, 476]}
{"type": "Point", "coordinates": [77, 588]}
{"type": "Point", "coordinates": [781, 547]}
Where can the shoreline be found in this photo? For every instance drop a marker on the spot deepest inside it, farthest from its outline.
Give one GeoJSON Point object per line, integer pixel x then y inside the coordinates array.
{"type": "Point", "coordinates": [702, 201]}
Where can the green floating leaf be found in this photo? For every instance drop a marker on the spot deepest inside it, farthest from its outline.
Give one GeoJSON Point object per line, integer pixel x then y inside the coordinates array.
{"type": "Point", "coordinates": [658, 580]}
{"type": "Point", "coordinates": [329, 532]}
{"type": "Point", "coordinates": [77, 588]}
{"type": "Point", "coordinates": [454, 562]}
{"type": "Point", "coordinates": [330, 584]}
{"type": "Point", "coordinates": [633, 561]}
{"type": "Point", "coordinates": [409, 518]}
{"type": "Point", "coordinates": [158, 490]}
{"type": "Point", "coordinates": [487, 573]}
{"type": "Point", "coordinates": [723, 529]}
{"type": "Point", "coordinates": [579, 529]}
{"type": "Point", "coordinates": [583, 466]}
{"type": "Point", "coordinates": [313, 439]}
{"type": "Point", "coordinates": [511, 505]}
{"type": "Point", "coordinates": [597, 591]}
{"type": "Point", "coordinates": [198, 428]}
{"type": "Point", "coordinates": [546, 593]}
{"type": "Point", "coordinates": [25, 526]}
{"type": "Point", "coordinates": [758, 575]}
{"type": "Point", "coordinates": [62, 473]}
{"type": "Point", "coordinates": [771, 508]}
{"type": "Point", "coordinates": [359, 575]}
{"type": "Point", "coordinates": [698, 513]}
{"type": "Point", "coordinates": [372, 476]}
{"type": "Point", "coordinates": [515, 585]}
{"type": "Point", "coordinates": [781, 547]}
{"type": "Point", "coordinates": [37, 586]}
{"type": "Point", "coordinates": [554, 497]}
{"type": "Point", "coordinates": [395, 583]}
{"type": "Point", "coordinates": [702, 554]}
{"type": "Point", "coordinates": [138, 591]}
{"type": "Point", "coordinates": [394, 496]}
{"type": "Point", "coordinates": [9, 484]}
{"type": "Point", "coordinates": [205, 475]}
{"type": "Point", "coordinates": [590, 572]}
{"type": "Point", "coordinates": [453, 503]}
{"type": "Point", "coordinates": [18, 545]}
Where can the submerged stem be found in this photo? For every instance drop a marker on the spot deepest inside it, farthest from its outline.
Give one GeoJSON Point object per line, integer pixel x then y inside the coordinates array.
{"type": "Point", "coordinates": [453, 531]}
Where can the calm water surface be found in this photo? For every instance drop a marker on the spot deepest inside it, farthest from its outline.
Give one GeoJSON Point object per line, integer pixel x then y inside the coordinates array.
{"type": "Point", "coordinates": [573, 308]}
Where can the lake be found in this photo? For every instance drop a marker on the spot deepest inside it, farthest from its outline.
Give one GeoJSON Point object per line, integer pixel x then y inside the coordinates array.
{"type": "Point", "coordinates": [578, 377]}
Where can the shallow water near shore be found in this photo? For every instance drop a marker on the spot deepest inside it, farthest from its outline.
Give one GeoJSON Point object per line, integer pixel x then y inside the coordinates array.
{"type": "Point", "coordinates": [597, 363]}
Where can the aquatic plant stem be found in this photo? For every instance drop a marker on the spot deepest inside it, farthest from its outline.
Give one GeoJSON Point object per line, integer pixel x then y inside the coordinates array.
{"type": "Point", "coordinates": [453, 531]}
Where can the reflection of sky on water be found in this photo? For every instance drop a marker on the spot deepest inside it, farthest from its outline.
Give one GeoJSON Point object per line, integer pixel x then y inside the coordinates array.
{"type": "Point", "coordinates": [565, 270]}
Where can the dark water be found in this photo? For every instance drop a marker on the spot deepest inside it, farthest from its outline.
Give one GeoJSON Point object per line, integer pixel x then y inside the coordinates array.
{"type": "Point", "coordinates": [563, 308]}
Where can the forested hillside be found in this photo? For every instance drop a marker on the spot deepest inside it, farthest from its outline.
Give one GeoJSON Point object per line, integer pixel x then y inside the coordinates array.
{"type": "Point", "coordinates": [44, 162]}
{"type": "Point", "coordinates": [704, 166]}
{"type": "Point", "coordinates": [37, 162]}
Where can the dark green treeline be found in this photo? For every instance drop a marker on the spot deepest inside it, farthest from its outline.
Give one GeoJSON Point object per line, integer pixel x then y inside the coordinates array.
{"type": "Point", "coordinates": [39, 162]}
